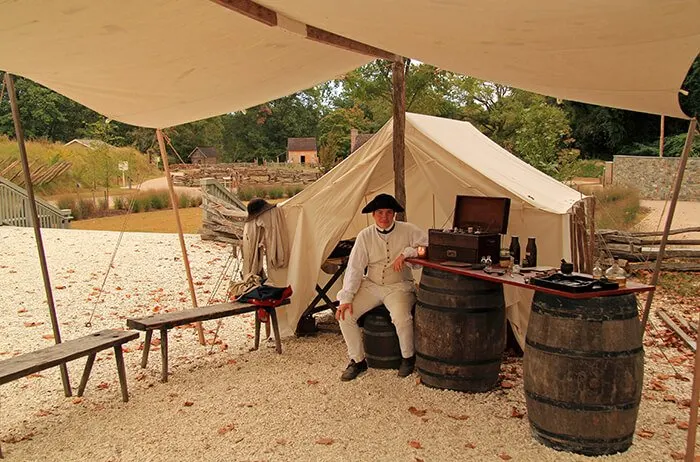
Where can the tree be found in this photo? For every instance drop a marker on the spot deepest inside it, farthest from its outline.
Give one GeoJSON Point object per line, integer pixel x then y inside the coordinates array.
{"type": "Point", "coordinates": [334, 130]}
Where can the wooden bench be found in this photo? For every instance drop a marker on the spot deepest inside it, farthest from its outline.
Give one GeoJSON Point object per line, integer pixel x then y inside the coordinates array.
{"type": "Point", "coordinates": [61, 353]}
{"type": "Point", "coordinates": [167, 321]}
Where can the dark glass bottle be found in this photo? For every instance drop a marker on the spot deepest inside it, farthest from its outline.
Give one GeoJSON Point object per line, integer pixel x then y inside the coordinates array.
{"type": "Point", "coordinates": [514, 249]}
{"type": "Point", "coordinates": [530, 253]}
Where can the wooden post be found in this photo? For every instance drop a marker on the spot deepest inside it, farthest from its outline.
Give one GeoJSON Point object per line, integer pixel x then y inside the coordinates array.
{"type": "Point", "coordinates": [661, 138]}
{"type": "Point", "coordinates": [693, 421]}
{"type": "Point", "coordinates": [173, 199]}
{"type": "Point", "coordinates": [669, 218]}
{"type": "Point", "coordinates": [398, 80]}
{"type": "Point", "coordinates": [9, 83]}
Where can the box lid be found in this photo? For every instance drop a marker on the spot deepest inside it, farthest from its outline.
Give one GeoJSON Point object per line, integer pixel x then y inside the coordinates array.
{"type": "Point", "coordinates": [489, 214]}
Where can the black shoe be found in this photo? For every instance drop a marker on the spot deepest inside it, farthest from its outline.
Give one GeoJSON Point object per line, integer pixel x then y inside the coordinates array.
{"type": "Point", "coordinates": [407, 365]}
{"type": "Point", "coordinates": [353, 370]}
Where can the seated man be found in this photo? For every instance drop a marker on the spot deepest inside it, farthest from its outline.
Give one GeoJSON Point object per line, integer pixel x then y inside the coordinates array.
{"type": "Point", "coordinates": [382, 249]}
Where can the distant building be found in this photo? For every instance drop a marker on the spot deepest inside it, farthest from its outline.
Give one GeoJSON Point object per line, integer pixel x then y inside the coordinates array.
{"type": "Point", "coordinates": [88, 144]}
{"type": "Point", "coordinates": [358, 139]}
{"type": "Point", "coordinates": [205, 155]}
{"type": "Point", "coordinates": [302, 151]}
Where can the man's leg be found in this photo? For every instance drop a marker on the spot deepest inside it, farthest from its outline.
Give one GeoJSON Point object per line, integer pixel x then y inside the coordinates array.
{"type": "Point", "coordinates": [400, 303]}
{"type": "Point", "coordinates": [363, 301]}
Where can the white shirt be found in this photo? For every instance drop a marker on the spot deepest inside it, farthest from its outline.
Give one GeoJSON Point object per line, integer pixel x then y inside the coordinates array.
{"type": "Point", "coordinates": [377, 252]}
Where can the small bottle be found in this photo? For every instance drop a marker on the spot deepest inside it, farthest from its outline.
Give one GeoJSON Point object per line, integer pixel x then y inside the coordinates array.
{"type": "Point", "coordinates": [597, 269]}
{"type": "Point", "coordinates": [505, 259]}
{"type": "Point", "coordinates": [530, 253]}
{"type": "Point", "coordinates": [616, 274]}
{"type": "Point", "coordinates": [514, 249]}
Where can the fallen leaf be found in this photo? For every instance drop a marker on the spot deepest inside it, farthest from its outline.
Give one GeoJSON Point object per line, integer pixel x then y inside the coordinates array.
{"type": "Point", "coordinates": [312, 382]}
{"type": "Point", "coordinates": [32, 324]}
{"type": "Point", "coordinates": [35, 375]}
{"type": "Point", "coordinates": [281, 441]}
{"type": "Point", "coordinates": [504, 456]}
{"type": "Point", "coordinates": [670, 420]}
{"type": "Point", "coordinates": [103, 386]}
{"type": "Point", "coordinates": [645, 433]}
{"type": "Point", "coordinates": [43, 413]}
{"type": "Point", "coordinates": [77, 400]}
{"type": "Point", "coordinates": [188, 403]}
{"type": "Point", "coordinates": [60, 287]}
{"type": "Point", "coordinates": [415, 444]}
{"type": "Point", "coordinates": [419, 459]}
{"type": "Point", "coordinates": [417, 412]}
{"type": "Point", "coordinates": [470, 445]}
{"type": "Point", "coordinates": [670, 398]}
{"type": "Point", "coordinates": [683, 425]}
{"type": "Point", "coordinates": [231, 361]}
{"type": "Point", "coordinates": [22, 310]}
{"type": "Point", "coordinates": [663, 376]}
{"type": "Point", "coordinates": [47, 336]}
{"type": "Point", "coordinates": [678, 455]}
{"type": "Point", "coordinates": [458, 417]}
{"type": "Point", "coordinates": [681, 377]}
{"type": "Point", "coordinates": [507, 384]}
{"type": "Point", "coordinates": [326, 441]}
{"type": "Point", "coordinates": [515, 412]}
{"type": "Point", "coordinates": [226, 429]}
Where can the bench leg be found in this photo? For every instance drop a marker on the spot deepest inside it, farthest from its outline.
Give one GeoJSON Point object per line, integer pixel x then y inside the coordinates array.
{"type": "Point", "coordinates": [121, 371]}
{"type": "Point", "coordinates": [276, 328]}
{"type": "Point", "coordinates": [66, 381]}
{"type": "Point", "coordinates": [164, 354]}
{"type": "Point", "coordinates": [257, 330]}
{"type": "Point", "coordinates": [146, 348]}
{"type": "Point", "coordinates": [86, 374]}
{"type": "Point", "coordinates": [267, 328]}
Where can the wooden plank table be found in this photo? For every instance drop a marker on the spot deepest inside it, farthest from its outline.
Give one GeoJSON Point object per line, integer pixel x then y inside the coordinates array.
{"type": "Point", "coordinates": [518, 280]}
{"type": "Point", "coordinates": [166, 321]}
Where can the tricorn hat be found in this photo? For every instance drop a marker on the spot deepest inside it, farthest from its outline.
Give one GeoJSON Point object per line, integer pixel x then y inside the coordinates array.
{"type": "Point", "coordinates": [257, 207]}
{"type": "Point", "coordinates": [383, 201]}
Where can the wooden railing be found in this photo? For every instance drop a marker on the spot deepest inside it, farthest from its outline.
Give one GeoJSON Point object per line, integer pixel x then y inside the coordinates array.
{"type": "Point", "coordinates": [212, 187]}
{"type": "Point", "coordinates": [15, 210]}
{"type": "Point", "coordinates": [223, 213]}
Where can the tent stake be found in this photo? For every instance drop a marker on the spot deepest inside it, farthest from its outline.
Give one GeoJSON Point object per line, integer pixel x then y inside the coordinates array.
{"type": "Point", "coordinates": [693, 421]}
{"type": "Point", "coordinates": [669, 218]}
{"type": "Point", "coordinates": [36, 224]}
{"type": "Point", "coordinates": [180, 235]}
{"type": "Point", "coordinates": [398, 80]}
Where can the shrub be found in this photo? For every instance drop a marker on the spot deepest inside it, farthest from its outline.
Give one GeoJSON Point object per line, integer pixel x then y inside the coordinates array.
{"type": "Point", "coordinates": [120, 203]}
{"type": "Point", "coordinates": [184, 201]}
{"type": "Point", "coordinates": [617, 207]}
{"type": "Point", "coordinates": [84, 209]}
{"type": "Point", "coordinates": [292, 191]}
{"type": "Point", "coordinates": [66, 203]}
{"type": "Point", "coordinates": [275, 193]}
{"type": "Point", "coordinates": [245, 193]}
{"type": "Point", "coordinates": [102, 204]}
{"type": "Point", "coordinates": [158, 200]}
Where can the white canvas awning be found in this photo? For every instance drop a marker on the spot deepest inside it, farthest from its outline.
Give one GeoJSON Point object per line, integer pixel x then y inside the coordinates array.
{"type": "Point", "coordinates": [159, 63]}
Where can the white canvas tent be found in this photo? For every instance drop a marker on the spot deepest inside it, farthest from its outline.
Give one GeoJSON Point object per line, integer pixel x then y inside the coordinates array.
{"type": "Point", "coordinates": [444, 158]}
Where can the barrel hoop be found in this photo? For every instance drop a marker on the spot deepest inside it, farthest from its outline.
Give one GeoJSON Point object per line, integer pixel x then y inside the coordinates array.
{"type": "Point", "coordinates": [480, 362]}
{"type": "Point", "coordinates": [580, 439]}
{"type": "Point", "coordinates": [451, 291]}
{"type": "Point", "coordinates": [582, 353]}
{"type": "Point", "coordinates": [372, 333]}
{"type": "Point", "coordinates": [580, 406]}
{"type": "Point", "coordinates": [383, 358]}
{"type": "Point", "coordinates": [444, 309]}
{"type": "Point", "coordinates": [450, 377]}
{"type": "Point", "coordinates": [587, 316]}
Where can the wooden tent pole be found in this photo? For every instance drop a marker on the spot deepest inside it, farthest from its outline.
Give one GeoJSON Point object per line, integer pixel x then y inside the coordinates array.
{"type": "Point", "coordinates": [693, 421]}
{"type": "Point", "coordinates": [661, 137]}
{"type": "Point", "coordinates": [398, 80]}
{"type": "Point", "coordinates": [36, 224]}
{"type": "Point", "coordinates": [669, 218]}
{"type": "Point", "coordinates": [173, 200]}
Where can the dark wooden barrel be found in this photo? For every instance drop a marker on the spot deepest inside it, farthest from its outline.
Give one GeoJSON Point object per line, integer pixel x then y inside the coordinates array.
{"type": "Point", "coordinates": [583, 371]}
{"type": "Point", "coordinates": [460, 331]}
{"type": "Point", "coordinates": [380, 340]}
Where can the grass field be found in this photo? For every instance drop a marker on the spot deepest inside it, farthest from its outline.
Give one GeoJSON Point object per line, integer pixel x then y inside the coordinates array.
{"type": "Point", "coordinates": [161, 221]}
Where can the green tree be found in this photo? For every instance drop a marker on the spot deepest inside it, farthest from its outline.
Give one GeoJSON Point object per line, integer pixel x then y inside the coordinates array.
{"type": "Point", "coordinates": [334, 129]}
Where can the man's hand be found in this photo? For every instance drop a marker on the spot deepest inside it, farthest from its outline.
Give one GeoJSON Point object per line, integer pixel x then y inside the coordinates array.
{"type": "Point", "coordinates": [342, 308]}
{"type": "Point", "coordinates": [399, 263]}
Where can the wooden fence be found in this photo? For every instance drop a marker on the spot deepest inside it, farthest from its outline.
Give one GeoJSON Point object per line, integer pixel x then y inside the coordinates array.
{"type": "Point", "coordinates": [223, 213]}
{"type": "Point", "coordinates": [15, 210]}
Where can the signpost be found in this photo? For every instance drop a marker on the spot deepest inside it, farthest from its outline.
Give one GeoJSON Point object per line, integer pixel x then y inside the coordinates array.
{"type": "Point", "coordinates": [124, 167]}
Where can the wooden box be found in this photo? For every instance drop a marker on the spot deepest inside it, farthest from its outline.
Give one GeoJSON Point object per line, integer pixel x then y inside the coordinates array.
{"type": "Point", "coordinates": [485, 217]}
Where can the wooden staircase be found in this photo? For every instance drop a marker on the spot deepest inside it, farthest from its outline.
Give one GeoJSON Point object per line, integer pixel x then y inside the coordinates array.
{"type": "Point", "coordinates": [15, 211]}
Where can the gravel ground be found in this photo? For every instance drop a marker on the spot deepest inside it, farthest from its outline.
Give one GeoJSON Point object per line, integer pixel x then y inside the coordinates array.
{"type": "Point", "coordinates": [236, 404]}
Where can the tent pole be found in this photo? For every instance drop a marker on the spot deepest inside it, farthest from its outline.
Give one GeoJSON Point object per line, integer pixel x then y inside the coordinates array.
{"type": "Point", "coordinates": [398, 80]}
{"type": "Point", "coordinates": [9, 83]}
{"type": "Point", "coordinates": [693, 421]}
{"type": "Point", "coordinates": [669, 218]}
{"type": "Point", "coordinates": [661, 137]}
{"type": "Point", "coordinates": [173, 200]}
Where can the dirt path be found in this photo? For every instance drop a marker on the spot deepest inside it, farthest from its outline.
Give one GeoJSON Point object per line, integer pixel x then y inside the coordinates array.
{"type": "Point", "coordinates": [687, 214]}
{"type": "Point", "coordinates": [162, 183]}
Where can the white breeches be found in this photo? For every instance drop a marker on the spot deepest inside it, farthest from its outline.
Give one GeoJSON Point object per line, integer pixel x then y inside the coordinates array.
{"type": "Point", "coordinates": [397, 300]}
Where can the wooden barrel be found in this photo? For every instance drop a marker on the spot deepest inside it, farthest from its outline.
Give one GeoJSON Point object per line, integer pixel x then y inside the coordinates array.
{"type": "Point", "coordinates": [380, 340]}
{"type": "Point", "coordinates": [460, 331]}
{"type": "Point", "coordinates": [583, 371]}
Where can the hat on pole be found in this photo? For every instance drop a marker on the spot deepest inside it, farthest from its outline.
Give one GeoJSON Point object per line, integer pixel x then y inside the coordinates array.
{"type": "Point", "coordinates": [257, 207]}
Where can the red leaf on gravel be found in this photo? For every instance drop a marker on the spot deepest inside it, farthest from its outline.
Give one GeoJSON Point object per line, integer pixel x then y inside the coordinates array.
{"type": "Point", "coordinates": [325, 441]}
{"type": "Point", "coordinates": [155, 342]}
{"type": "Point", "coordinates": [670, 420]}
{"type": "Point", "coordinates": [22, 310]}
{"type": "Point", "coordinates": [470, 445]}
{"type": "Point", "coordinates": [417, 412]}
{"type": "Point", "coordinates": [683, 425]}
{"type": "Point", "coordinates": [32, 324]}
{"type": "Point", "coordinates": [507, 384]}
{"type": "Point", "coordinates": [458, 417]}
{"type": "Point", "coordinates": [47, 336]}
{"type": "Point", "coordinates": [645, 433]}
{"type": "Point", "coordinates": [231, 361]}
{"type": "Point", "coordinates": [656, 385]}
{"type": "Point", "coordinates": [682, 378]}
{"type": "Point", "coordinates": [678, 455]}
{"type": "Point", "coordinates": [103, 386]}
{"type": "Point", "coordinates": [419, 459]}
{"type": "Point", "coordinates": [663, 376]}
{"type": "Point", "coordinates": [504, 456]}
{"type": "Point", "coordinates": [35, 375]}
{"type": "Point", "coordinates": [60, 287]}
{"type": "Point", "coordinates": [415, 444]}
{"type": "Point", "coordinates": [684, 402]}
{"type": "Point", "coordinates": [126, 350]}
{"type": "Point", "coordinates": [77, 400]}
{"type": "Point", "coordinates": [670, 398]}
{"type": "Point", "coordinates": [515, 412]}
{"type": "Point", "coordinates": [312, 382]}
{"type": "Point", "coordinates": [188, 403]}
{"type": "Point", "coordinates": [226, 429]}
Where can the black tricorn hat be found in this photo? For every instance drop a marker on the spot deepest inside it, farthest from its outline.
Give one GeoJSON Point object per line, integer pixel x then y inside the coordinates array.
{"type": "Point", "coordinates": [257, 207]}
{"type": "Point", "coordinates": [383, 201]}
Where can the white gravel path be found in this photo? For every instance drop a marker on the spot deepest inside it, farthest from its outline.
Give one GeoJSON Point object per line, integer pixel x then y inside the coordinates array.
{"type": "Point", "coordinates": [241, 405]}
